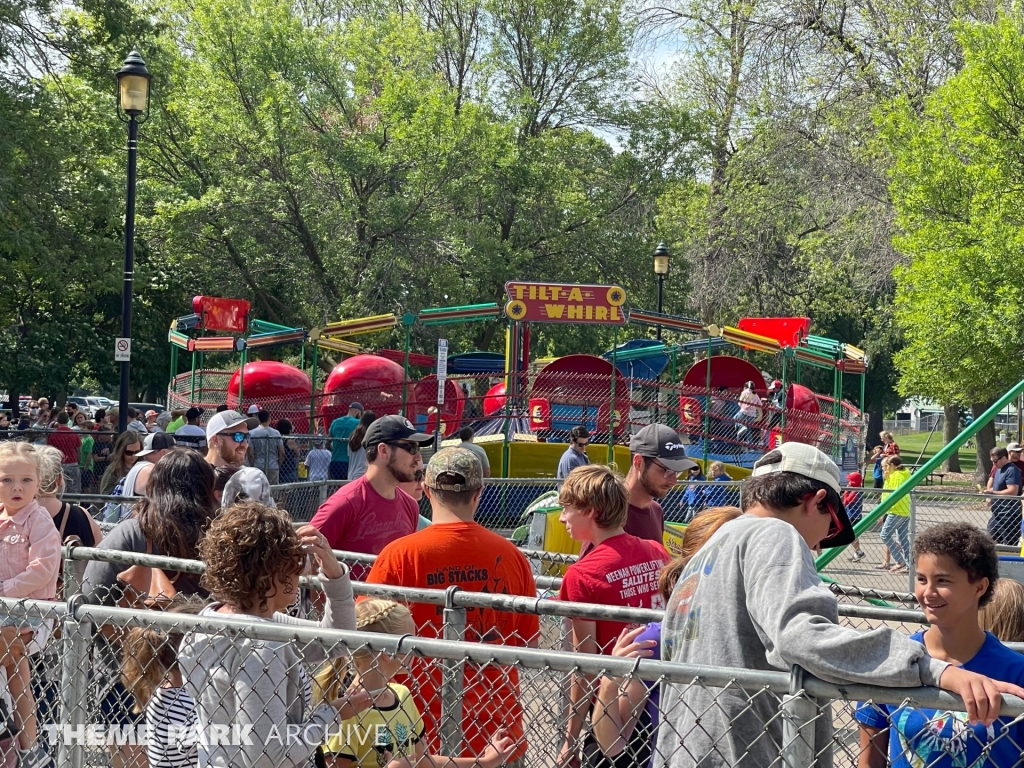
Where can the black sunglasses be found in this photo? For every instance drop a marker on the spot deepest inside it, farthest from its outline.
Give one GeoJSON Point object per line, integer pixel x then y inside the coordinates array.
{"type": "Point", "coordinates": [130, 453]}
{"type": "Point", "coordinates": [412, 448]}
{"type": "Point", "coordinates": [418, 475]}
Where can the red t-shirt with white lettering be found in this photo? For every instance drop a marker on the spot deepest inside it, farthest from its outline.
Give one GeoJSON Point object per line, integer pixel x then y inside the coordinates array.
{"type": "Point", "coordinates": [358, 519]}
{"type": "Point", "coordinates": [622, 570]}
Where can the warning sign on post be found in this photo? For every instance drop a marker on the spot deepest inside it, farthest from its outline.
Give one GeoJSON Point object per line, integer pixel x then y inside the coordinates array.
{"type": "Point", "coordinates": [442, 368]}
{"type": "Point", "coordinates": [122, 350]}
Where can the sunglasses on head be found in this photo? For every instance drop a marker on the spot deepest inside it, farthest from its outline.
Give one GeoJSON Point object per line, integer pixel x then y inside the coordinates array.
{"type": "Point", "coordinates": [412, 448]}
{"type": "Point", "coordinates": [238, 437]}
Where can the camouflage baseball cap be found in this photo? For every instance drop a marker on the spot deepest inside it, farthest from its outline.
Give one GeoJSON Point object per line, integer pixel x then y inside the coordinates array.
{"type": "Point", "coordinates": [454, 469]}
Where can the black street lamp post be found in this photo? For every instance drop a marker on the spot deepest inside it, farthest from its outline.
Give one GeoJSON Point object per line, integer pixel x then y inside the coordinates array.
{"type": "Point", "coordinates": [133, 80]}
{"type": "Point", "coordinates": [661, 259]}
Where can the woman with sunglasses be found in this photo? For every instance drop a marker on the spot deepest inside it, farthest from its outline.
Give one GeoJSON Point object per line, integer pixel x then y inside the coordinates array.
{"type": "Point", "coordinates": [121, 461]}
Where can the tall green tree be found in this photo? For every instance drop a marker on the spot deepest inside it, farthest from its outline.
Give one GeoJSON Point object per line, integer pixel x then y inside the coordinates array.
{"type": "Point", "coordinates": [956, 186]}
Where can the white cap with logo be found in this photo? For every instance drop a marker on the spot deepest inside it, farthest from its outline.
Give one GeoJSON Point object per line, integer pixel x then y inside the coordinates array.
{"type": "Point", "coordinates": [226, 420]}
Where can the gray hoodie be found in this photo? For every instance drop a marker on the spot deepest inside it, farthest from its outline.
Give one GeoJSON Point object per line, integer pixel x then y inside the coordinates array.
{"type": "Point", "coordinates": [752, 599]}
{"type": "Point", "coordinates": [258, 690]}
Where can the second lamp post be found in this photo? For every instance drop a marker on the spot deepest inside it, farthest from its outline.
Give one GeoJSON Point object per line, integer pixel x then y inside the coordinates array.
{"type": "Point", "coordinates": [661, 259]}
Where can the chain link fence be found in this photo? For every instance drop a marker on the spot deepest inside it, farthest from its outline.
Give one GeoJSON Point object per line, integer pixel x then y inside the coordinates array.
{"type": "Point", "coordinates": [91, 666]}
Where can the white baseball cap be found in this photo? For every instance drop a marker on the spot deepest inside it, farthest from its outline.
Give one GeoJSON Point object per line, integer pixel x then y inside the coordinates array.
{"type": "Point", "coordinates": [253, 409]}
{"type": "Point", "coordinates": [808, 461]}
{"type": "Point", "coordinates": [801, 459]}
{"type": "Point", "coordinates": [226, 420]}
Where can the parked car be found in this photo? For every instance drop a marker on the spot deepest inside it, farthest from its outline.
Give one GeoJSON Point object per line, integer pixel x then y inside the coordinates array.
{"type": "Point", "coordinates": [83, 405]}
{"type": "Point", "coordinates": [143, 407]}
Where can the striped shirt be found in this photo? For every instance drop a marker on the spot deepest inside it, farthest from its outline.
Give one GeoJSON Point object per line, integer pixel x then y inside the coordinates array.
{"type": "Point", "coordinates": [171, 707]}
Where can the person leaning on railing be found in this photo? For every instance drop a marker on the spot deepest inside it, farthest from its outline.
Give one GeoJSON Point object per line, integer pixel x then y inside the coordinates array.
{"type": "Point", "coordinates": [625, 716]}
{"type": "Point", "coordinates": [752, 599]}
{"type": "Point", "coordinates": [259, 690]}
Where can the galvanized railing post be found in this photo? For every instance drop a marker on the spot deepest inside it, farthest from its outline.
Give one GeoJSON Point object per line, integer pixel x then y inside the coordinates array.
{"type": "Point", "coordinates": [453, 677]}
{"type": "Point", "coordinates": [72, 584]}
{"type": "Point", "coordinates": [798, 715]}
{"type": "Point", "coordinates": [76, 640]}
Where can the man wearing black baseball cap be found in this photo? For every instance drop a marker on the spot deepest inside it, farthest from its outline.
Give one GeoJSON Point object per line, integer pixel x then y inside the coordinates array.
{"type": "Point", "coordinates": [751, 598]}
{"type": "Point", "coordinates": [367, 514]}
{"type": "Point", "coordinates": [191, 435]}
{"type": "Point", "coordinates": [658, 459]}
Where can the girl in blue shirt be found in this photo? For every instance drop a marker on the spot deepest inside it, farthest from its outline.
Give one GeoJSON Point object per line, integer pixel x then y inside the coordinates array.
{"type": "Point", "coordinates": [957, 569]}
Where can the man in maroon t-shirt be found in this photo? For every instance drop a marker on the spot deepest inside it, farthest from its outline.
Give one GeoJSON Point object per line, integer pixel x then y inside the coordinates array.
{"type": "Point", "coordinates": [658, 459]}
{"type": "Point", "coordinates": [68, 442]}
{"type": "Point", "coordinates": [369, 513]}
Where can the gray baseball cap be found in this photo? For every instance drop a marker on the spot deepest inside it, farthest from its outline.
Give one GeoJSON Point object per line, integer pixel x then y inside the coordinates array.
{"type": "Point", "coordinates": [657, 441]}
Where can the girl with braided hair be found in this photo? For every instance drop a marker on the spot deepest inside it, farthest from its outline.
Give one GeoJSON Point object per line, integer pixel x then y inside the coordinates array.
{"type": "Point", "coordinates": [390, 732]}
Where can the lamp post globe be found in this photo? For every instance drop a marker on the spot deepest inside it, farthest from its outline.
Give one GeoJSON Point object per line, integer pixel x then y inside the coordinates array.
{"type": "Point", "coordinates": [661, 260]}
{"type": "Point", "coordinates": [133, 81]}
{"type": "Point", "coordinates": [133, 87]}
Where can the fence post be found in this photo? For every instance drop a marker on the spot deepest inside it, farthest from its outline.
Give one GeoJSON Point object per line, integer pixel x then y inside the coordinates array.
{"type": "Point", "coordinates": [76, 640]}
{"type": "Point", "coordinates": [453, 677]}
{"type": "Point", "coordinates": [72, 584]}
{"type": "Point", "coordinates": [798, 715]}
{"type": "Point", "coordinates": [322, 490]}
{"type": "Point", "coordinates": [911, 570]}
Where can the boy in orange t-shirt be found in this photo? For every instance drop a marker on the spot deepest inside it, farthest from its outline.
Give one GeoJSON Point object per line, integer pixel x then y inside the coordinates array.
{"type": "Point", "coordinates": [454, 550]}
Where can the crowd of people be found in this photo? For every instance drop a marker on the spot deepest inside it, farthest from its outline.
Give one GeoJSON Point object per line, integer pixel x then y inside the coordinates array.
{"type": "Point", "coordinates": [743, 593]}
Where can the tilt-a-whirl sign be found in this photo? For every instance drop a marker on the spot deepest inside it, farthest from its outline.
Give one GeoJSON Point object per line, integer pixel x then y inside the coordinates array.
{"type": "Point", "coordinates": [561, 303]}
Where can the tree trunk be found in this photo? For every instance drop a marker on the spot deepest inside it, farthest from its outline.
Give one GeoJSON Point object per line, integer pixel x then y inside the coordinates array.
{"type": "Point", "coordinates": [985, 441]}
{"type": "Point", "coordinates": [950, 429]}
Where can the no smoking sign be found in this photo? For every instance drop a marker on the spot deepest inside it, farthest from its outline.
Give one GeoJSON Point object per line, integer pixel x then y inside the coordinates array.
{"type": "Point", "coordinates": [122, 350]}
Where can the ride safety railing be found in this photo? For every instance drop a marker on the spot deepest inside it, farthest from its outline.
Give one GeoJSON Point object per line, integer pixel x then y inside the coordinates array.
{"type": "Point", "coordinates": [498, 701]}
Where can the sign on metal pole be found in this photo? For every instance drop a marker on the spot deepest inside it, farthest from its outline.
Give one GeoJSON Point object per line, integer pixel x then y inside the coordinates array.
{"type": "Point", "coordinates": [122, 350]}
{"type": "Point", "coordinates": [442, 369]}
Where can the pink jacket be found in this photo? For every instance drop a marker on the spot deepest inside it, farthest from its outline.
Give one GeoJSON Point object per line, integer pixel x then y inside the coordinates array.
{"type": "Point", "coordinates": [29, 554]}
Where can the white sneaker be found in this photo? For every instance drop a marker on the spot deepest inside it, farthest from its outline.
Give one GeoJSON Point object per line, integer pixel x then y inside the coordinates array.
{"type": "Point", "coordinates": [857, 556]}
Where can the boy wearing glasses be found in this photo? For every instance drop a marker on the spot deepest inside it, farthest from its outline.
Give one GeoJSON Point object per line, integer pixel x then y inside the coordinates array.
{"type": "Point", "coordinates": [367, 514]}
{"type": "Point", "coordinates": [576, 454]}
{"type": "Point", "coordinates": [751, 598]}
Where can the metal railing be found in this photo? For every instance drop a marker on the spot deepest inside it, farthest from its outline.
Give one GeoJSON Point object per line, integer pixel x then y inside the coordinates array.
{"type": "Point", "coordinates": [456, 686]}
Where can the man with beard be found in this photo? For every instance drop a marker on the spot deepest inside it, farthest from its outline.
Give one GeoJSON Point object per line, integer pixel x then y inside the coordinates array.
{"type": "Point", "coordinates": [227, 438]}
{"type": "Point", "coordinates": [367, 514]}
{"type": "Point", "coordinates": [658, 458]}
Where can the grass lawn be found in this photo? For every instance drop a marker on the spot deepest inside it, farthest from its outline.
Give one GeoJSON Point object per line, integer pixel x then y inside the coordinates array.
{"type": "Point", "coordinates": [911, 446]}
